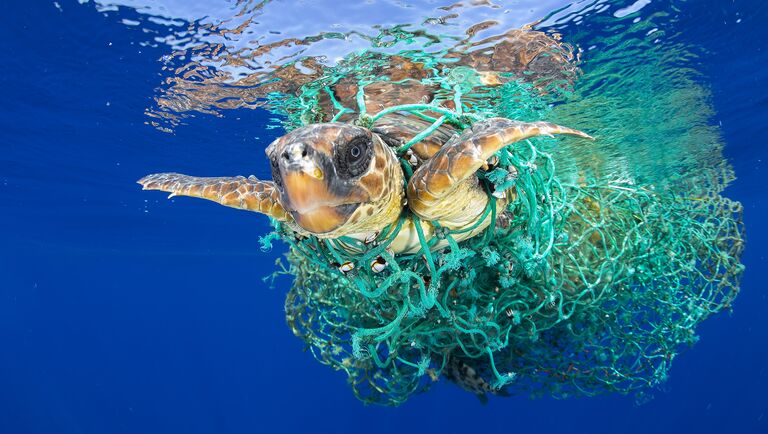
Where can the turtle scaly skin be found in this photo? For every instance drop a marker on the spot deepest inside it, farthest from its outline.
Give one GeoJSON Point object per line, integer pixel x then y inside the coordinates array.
{"type": "Point", "coordinates": [445, 188]}
{"type": "Point", "coordinates": [236, 192]}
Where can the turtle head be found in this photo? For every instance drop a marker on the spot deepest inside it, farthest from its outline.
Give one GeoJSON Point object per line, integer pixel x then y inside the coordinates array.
{"type": "Point", "coordinates": [336, 179]}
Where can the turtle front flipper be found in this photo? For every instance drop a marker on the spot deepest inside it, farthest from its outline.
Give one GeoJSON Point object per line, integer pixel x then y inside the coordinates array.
{"type": "Point", "coordinates": [236, 191]}
{"type": "Point", "coordinates": [444, 189]}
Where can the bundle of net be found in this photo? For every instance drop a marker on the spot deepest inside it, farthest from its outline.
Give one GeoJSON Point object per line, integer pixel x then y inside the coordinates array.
{"type": "Point", "coordinates": [575, 289]}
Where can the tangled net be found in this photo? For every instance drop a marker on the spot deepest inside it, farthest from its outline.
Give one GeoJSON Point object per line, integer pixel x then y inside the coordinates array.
{"type": "Point", "coordinates": [576, 289]}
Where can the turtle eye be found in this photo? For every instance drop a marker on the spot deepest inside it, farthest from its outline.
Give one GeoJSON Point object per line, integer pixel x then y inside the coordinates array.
{"type": "Point", "coordinates": [353, 158]}
{"type": "Point", "coordinates": [354, 152]}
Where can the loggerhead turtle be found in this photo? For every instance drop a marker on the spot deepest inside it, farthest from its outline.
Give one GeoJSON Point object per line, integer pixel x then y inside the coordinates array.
{"type": "Point", "coordinates": [334, 179]}
{"type": "Point", "coordinates": [338, 179]}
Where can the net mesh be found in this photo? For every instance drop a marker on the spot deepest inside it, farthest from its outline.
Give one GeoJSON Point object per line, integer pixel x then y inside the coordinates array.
{"type": "Point", "coordinates": [577, 288]}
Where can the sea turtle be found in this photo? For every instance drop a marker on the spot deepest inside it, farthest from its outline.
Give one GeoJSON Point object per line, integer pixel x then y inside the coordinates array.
{"type": "Point", "coordinates": [340, 179]}
{"type": "Point", "coordinates": [334, 179]}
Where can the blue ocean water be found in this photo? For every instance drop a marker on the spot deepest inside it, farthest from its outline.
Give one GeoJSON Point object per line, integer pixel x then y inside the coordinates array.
{"type": "Point", "coordinates": [121, 312]}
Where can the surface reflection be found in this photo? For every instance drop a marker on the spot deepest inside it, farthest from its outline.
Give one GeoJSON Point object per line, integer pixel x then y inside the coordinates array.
{"type": "Point", "coordinates": [630, 82]}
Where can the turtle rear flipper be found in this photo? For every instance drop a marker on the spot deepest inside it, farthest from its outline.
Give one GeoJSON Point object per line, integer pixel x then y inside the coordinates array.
{"type": "Point", "coordinates": [236, 191]}
{"type": "Point", "coordinates": [445, 189]}
{"type": "Point", "coordinates": [464, 375]}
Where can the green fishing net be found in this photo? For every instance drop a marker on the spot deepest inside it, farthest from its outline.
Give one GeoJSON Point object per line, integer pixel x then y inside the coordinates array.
{"type": "Point", "coordinates": [582, 285]}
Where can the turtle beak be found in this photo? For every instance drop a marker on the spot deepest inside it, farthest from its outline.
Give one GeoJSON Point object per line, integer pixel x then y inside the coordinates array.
{"type": "Point", "coordinates": [305, 186]}
{"type": "Point", "coordinates": [312, 203]}
{"type": "Point", "coordinates": [306, 192]}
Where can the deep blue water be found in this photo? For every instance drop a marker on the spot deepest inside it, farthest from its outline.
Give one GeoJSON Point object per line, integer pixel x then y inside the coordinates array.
{"type": "Point", "coordinates": [118, 315]}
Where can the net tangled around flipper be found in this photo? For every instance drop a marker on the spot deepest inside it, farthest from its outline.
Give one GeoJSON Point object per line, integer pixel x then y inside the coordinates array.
{"type": "Point", "coordinates": [576, 289]}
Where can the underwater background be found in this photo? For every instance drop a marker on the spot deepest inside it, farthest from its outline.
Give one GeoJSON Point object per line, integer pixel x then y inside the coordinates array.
{"type": "Point", "coordinates": [123, 312]}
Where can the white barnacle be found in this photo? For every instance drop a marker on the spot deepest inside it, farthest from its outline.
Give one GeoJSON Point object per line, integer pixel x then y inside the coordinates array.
{"type": "Point", "coordinates": [371, 237]}
{"type": "Point", "coordinates": [378, 265]}
{"type": "Point", "coordinates": [411, 157]}
{"type": "Point", "coordinates": [347, 267]}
